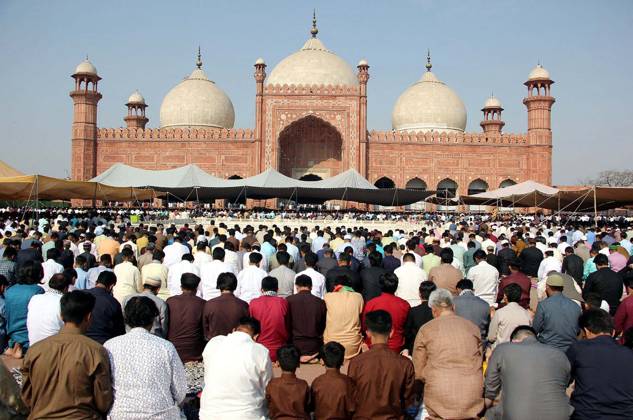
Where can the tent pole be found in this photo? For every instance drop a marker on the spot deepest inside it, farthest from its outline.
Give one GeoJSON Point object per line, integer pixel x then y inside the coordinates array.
{"type": "Point", "coordinates": [595, 207]}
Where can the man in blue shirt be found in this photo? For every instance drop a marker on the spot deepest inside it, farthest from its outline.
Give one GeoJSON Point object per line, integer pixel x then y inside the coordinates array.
{"type": "Point", "coordinates": [602, 370]}
{"type": "Point", "coordinates": [556, 318]}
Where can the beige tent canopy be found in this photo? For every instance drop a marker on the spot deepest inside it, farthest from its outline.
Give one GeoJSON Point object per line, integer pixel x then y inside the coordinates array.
{"type": "Point", "coordinates": [40, 187]}
{"type": "Point", "coordinates": [533, 194]}
{"type": "Point", "coordinates": [7, 170]}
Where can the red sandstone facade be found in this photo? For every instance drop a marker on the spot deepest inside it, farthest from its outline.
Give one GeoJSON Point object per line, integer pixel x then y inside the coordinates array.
{"type": "Point", "coordinates": [321, 130]}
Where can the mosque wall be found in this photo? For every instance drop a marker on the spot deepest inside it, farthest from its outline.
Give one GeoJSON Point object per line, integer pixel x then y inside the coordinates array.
{"type": "Point", "coordinates": [223, 153]}
{"type": "Point", "coordinates": [463, 158]}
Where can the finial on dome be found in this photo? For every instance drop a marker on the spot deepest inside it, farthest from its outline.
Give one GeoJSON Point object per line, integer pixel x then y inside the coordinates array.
{"type": "Point", "coordinates": [199, 60]}
{"type": "Point", "coordinates": [428, 60]}
{"type": "Point", "coordinates": [314, 31]}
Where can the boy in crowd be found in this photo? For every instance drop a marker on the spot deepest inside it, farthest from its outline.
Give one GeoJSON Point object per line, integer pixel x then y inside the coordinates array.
{"type": "Point", "coordinates": [288, 396]}
{"type": "Point", "coordinates": [332, 393]}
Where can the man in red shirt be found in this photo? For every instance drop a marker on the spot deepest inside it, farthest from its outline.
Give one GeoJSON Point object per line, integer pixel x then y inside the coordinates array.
{"type": "Point", "coordinates": [624, 315]}
{"type": "Point", "coordinates": [272, 313]}
{"type": "Point", "coordinates": [396, 307]}
{"type": "Point", "coordinates": [519, 278]}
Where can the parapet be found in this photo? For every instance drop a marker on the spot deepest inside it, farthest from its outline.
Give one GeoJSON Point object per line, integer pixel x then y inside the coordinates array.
{"type": "Point", "coordinates": [213, 134]}
{"type": "Point", "coordinates": [446, 138]}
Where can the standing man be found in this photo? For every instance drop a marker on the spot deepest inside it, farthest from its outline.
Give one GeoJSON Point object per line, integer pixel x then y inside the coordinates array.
{"type": "Point", "coordinates": [176, 271]}
{"type": "Point", "coordinates": [284, 275]}
{"type": "Point", "coordinates": [318, 279]}
{"type": "Point", "coordinates": [370, 276]}
{"type": "Point", "coordinates": [236, 373]}
{"type": "Point", "coordinates": [485, 278]}
{"type": "Point", "coordinates": [306, 314]}
{"type": "Point", "coordinates": [185, 315]}
{"type": "Point", "coordinates": [410, 276]}
{"type": "Point", "coordinates": [151, 286]}
{"type": "Point", "coordinates": [511, 316]}
{"type": "Point", "coordinates": [223, 313]}
{"type": "Point", "coordinates": [107, 315]}
{"type": "Point", "coordinates": [249, 280]}
{"type": "Point", "coordinates": [556, 318]}
{"type": "Point", "coordinates": [272, 313]}
{"type": "Point", "coordinates": [68, 361]}
{"type": "Point", "coordinates": [471, 307]}
{"type": "Point", "coordinates": [602, 370]}
{"type": "Point", "coordinates": [573, 265]}
{"type": "Point", "coordinates": [128, 277]}
{"type": "Point", "coordinates": [384, 380]}
{"type": "Point", "coordinates": [447, 355]}
{"type": "Point", "coordinates": [43, 317]}
{"type": "Point", "coordinates": [605, 282]}
{"type": "Point", "coordinates": [445, 275]}
{"type": "Point", "coordinates": [532, 378]}
{"type": "Point", "coordinates": [209, 273]}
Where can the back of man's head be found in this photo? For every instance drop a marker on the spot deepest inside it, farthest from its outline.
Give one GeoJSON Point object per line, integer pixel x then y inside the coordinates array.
{"type": "Point", "coordinates": [303, 280]}
{"type": "Point", "coordinates": [426, 288]}
{"type": "Point", "coordinates": [333, 355]}
{"type": "Point", "coordinates": [521, 332]}
{"type": "Point", "coordinates": [59, 282]}
{"type": "Point", "coordinates": [344, 259]}
{"type": "Point", "coordinates": [76, 305]}
{"type": "Point", "coordinates": [106, 278]}
{"type": "Point", "coordinates": [446, 254]}
{"type": "Point", "coordinates": [408, 257]}
{"type": "Point", "coordinates": [512, 292]}
{"type": "Point", "coordinates": [189, 281]}
{"type": "Point", "coordinates": [270, 284]}
{"type": "Point", "coordinates": [255, 258]}
{"type": "Point", "coordinates": [388, 283]}
{"type": "Point", "coordinates": [310, 259]}
{"type": "Point", "coordinates": [378, 322]}
{"type": "Point", "coordinates": [596, 321]}
{"type": "Point", "coordinates": [227, 282]}
{"type": "Point", "coordinates": [464, 284]}
{"type": "Point", "coordinates": [219, 253]}
{"type": "Point", "coordinates": [249, 325]}
{"type": "Point", "coordinates": [288, 358]}
{"type": "Point", "coordinates": [601, 260]}
{"type": "Point", "coordinates": [375, 259]}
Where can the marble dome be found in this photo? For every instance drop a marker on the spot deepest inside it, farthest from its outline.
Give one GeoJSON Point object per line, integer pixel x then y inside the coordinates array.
{"type": "Point", "coordinates": [86, 67]}
{"type": "Point", "coordinates": [538, 73]}
{"type": "Point", "coordinates": [429, 105]}
{"type": "Point", "coordinates": [136, 98]}
{"type": "Point", "coordinates": [313, 64]}
{"type": "Point", "coordinates": [492, 102]}
{"type": "Point", "coordinates": [196, 102]}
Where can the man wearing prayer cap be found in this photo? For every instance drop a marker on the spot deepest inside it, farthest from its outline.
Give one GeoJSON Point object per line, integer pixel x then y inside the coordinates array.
{"type": "Point", "coordinates": [151, 286]}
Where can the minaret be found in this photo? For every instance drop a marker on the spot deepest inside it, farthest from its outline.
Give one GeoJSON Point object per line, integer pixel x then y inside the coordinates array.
{"type": "Point", "coordinates": [492, 123]}
{"type": "Point", "coordinates": [260, 76]}
{"type": "Point", "coordinates": [363, 77]}
{"type": "Point", "coordinates": [539, 106]}
{"type": "Point", "coordinates": [136, 111]}
{"type": "Point", "coordinates": [84, 130]}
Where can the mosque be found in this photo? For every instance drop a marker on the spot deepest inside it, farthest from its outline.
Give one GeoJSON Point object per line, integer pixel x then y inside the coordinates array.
{"type": "Point", "coordinates": [311, 123]}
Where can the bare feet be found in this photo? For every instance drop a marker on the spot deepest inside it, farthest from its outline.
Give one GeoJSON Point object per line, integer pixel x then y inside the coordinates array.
{"type": "Point", "coordinates": [308, 358]}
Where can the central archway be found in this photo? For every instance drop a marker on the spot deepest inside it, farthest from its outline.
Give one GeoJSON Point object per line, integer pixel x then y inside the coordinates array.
{"type": "Point", "coordinates": [310, 146]}
{"type": "Point", "coordinates": [310, 177]}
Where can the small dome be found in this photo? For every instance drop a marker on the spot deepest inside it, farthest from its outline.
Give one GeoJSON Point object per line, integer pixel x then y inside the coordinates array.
{"type": "Point", "coordinates": [260, 61]}
{"type": "Point", "coordinates": [86, 67]}
{"type": "Point", "coordinates": [313, 64]}
{"type": "Point", "coordinates": [538, 73]}
{"type": "Point", "coordinates": [363, 62]}
{"type": "Point", "coordinates": [136, 98]}
{"type": "Point", "coordinates": [196, 102]}
{"type": "Point", "coordinates": [429, 105]}
{"type": "Point", "coordinates": [492, 102]}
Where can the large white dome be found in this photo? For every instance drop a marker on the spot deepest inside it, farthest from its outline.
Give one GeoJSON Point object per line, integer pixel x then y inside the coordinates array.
{"type": "Point", "coordinates": [197, 102]}
{"type": "Point", "coordinates": [429, 105]}
{"type": "Point", "coordinates": [313, 64]}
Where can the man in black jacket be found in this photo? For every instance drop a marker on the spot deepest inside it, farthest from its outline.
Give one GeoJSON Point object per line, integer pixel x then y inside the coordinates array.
{"type": "Point", "coordinates": [573, 265]}
{"type": "Point", "coordinates": [605, 282]}
{"type": "Point", "coordinates": [530, 258]}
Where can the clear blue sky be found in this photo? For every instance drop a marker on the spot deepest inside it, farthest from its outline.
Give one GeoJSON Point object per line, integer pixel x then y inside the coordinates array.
{"type": "Point", "coordinates": [477, 47]}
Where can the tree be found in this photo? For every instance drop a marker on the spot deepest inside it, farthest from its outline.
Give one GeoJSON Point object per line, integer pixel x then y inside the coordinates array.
{"type": "Point", "coordinates": [612, 179]}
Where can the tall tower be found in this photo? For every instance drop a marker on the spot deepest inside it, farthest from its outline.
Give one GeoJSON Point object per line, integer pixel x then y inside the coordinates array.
{"type": "Point", "coordinates": [260, 76]}
{"type": "Point", "coordinates": [492, 123]}
{"type": "Point", "coordinates": [363, 78]}
{"type": "Point", "coordinates": [539, 106]}
{"type": "Point", "coordinates": [84, 131]}
{"type": "Point", "coordinates": [136, 111]}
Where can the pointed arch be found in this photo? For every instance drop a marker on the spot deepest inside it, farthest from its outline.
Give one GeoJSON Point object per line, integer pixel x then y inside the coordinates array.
{"type": "Point", "coordinates": [416, 184]}
{"type": "Point", "coordinates": [477, 186]}
{"type": "Point", "coordinates": [310, 177]}
{"type": "Point", "coordinates": [385, 182]}
{"type": "Point", "coordinates": [507, 183]}
{"type": "Point", "coordinates": [446, 188]}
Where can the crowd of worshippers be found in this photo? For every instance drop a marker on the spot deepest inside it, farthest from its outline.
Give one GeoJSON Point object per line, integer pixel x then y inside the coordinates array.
{"type": "Point", "coordinates": [452, 322]}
